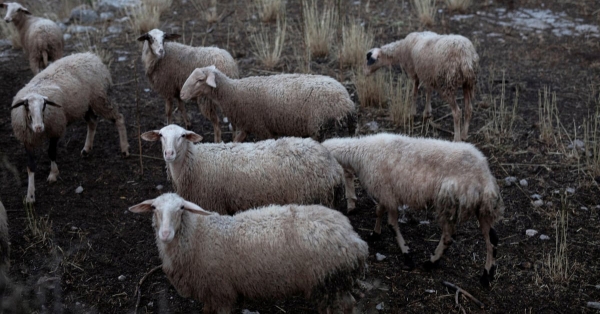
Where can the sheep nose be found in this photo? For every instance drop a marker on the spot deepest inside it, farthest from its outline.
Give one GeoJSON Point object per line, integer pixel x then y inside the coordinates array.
{"type": "Point", "coordinates": [165, 234]}
{"type": "Point", "coordinates": [169, 153]}
{"type": "Point", "coordinates": [38, 128]}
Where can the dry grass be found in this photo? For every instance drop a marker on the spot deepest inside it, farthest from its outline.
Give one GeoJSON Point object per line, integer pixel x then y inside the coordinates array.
{"type": "Point", "coordinates": [591, 141]}
{"type": "Point", "coordinates": [319, 28]}
{"type": "Point", "coordinates": [143, 18]}
{"type": "Point", "coordinates": [425, 10]}
{"type": "Point", "coordinates": [458, 5]}
{"type": "Point", "coordinates": [355, 44]}
{"type": "Point", "coordinates": [549, 119]}
{"type": "Point", "coordinates": [161, 5]}
{"type": "Point", "coordinates": [92, 42]}
{"type": "Point", "coordinates": [40, 228]}
{"type": "Point", "coordinates": [10, 32]}
{"type": "Point", "coordinates": [371, 90]}
{"type": "Point", "coordinates": [502, 125]}
{"type": "Point", "coordinates": [208, 9]}
{"type": "Point", "coordinates": [270, 10]}
{"type": "Point", "coordinates": [400, 102]}
{"type": "Point", "coordinates": [267, 46]}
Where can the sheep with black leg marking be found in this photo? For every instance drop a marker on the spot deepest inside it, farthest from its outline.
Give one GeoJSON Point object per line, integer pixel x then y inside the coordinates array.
{"type": "Point", "coordinates": [263, 253]}
{"type": "Point", "coordinates": [274, 105]}
{"type": "Point", "coordinates": [237, 176]}
{"type": "Point", "coordinates": [168, 65]}
{"type": "Point", "coordinates": [69, 89]}
{"type": "Point", "coordinates": [443, 63]}
{"type": "Point", "coordinates": [41, 38]}
{"type": "Point", "coordinates": [452, 177]}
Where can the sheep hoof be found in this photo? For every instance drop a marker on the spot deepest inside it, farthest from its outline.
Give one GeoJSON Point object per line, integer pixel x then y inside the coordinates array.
{"type": "Point", "coordinates": [30, 199]}
{"type": "Point", "coordinates": [408, 262]}
{"type": "Point", "coordinates": [374, 236]}
{"type": "Point", "coordinates": [493, 237]}
{"type": "Point", "coordinates": [429, 265]}
{"type": "Point", "coordinates": [84, 153]}
{"type": "Point", "coordinates": [124, 154]}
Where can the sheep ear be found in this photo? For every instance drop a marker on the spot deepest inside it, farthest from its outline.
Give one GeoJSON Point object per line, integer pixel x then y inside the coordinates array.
{"type": "Point", "coordinates": [171, 36]}
{"type": "Point", "coordinates": [19, 104]}
{"type": "Point", "coordinates": [2, 5]}
{"type": "Point", "coordinates": [25, 11]}
{"type": "Point", "coordinates": [151, 136]}
{"type": "Point", "coordinates": [195, 209]}
{"type": "Point", "coordinates": [193, 137]}
{"type": "Point", "coordinates": [143, 207]}
{"type": "Point", "coordinates": [144, 37]}
{"type": "Point", "coordinates": [210, 79]}
{"type": "Point", "coordinates": [51, 103]}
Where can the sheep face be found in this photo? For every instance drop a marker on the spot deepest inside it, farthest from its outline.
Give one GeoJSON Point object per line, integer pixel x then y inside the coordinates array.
{"type": "Point", "coordinates": [12, 9]}
{"type": "Point", "coordinates": [174, 140]}
{"type": "Point", "coordinates": [373, 63]}
{"type": "Point", "coordinates": [34, 105]}
{"type": "Point", "coordinates": [167, 209]}
{"type": "Point", "coordinates": [155, 39]}
{"type": "Point", "coordinates": [200, 82]}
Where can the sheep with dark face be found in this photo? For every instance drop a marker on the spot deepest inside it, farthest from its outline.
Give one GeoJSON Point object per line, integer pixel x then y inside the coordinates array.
{"type": "Point", "coordinates": [443, 63]}
{"type": "Point", "coordinates": [41, 38]}
{"type": "Point", "coordinates": [262, 253]}
{"type": "Point", "coordinates": [69, 89]}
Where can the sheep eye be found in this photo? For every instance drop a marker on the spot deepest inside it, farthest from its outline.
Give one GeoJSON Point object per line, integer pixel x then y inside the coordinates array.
{"type": "Point", "coordinates": [182, 135]}
{"type": "Point", "coordinates": [153, 207]}
{"type": "Point", "coordinates": [159, 134]}
{"type": "Point", "coordinates": [181, 207]}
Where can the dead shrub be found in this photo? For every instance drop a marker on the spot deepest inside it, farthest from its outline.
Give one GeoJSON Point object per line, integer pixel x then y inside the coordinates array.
{"type": "Point", "coordinates": [269, 10]}
{"type": "Point", "coordinates": [355, 43]}
{"type": "Point", "coordinates": [458, 5]}
{"type": "Point", "coordinates": [267, 46]}
{"type": "Point", "coordinates": [400, 102]}
{"type": "Point", "coordinates": [425, 10]}
{"type": "Point", "coordinates": [319, 27]}
{"type": "Point", "coordinates": [371, 90]}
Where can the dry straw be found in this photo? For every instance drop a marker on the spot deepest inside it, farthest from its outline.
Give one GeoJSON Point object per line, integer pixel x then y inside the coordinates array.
{"type": "Point", "coordinates": [319, 27]}
{"type": "Point", "coordinates": [269, 10]}
{"type": "Point", "coordinates": [268, 45]}
{"type": "Point", "coordinates": [458, 5]}
{"type": "Point", "coordinates": [425, 10]}
{"type": "Point", "coordinates": [371, 89]}
{"type": "Point", "coordinates": [355, 43]}
{"type": "Point", "coordinates": [400, 102]}
{"type": "Point", "coordinates": [146, 16]}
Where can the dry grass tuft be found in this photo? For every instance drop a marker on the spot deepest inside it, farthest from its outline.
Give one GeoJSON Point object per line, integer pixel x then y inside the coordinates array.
{"type": "Point", "coordinates": [40, 228]}
{"type": "Point", "coordinates": [355, 43]}
{"type": "Point", "coordinates": [161, 5]}
{"type": "Point", "coordinates": [502, 125]}
{"type": "Point", "coordinates": [400, 102]}
{"type": "Point", "coordinates": [267, 46]}
{"type": "Point", "coordinates": [270, 10]}
{"type": "Point", "coordinates": [425, 10]}
{"type": "Point", "coordinates": [549, 119]}
{"type": "Point", "coordinates": [592, 141]}
{"type": "Point", "coordinates": [10, 32]}
{"type": "Point", "coordinates": [143, 18]}
{"type": "Point", "coordinates": [208, 9]}
{"type": "Point", "coordinates": [371, 90]}
{"type": "Point", "coordinates": [92, 42]}
{"type": "Point", "coordinates": [458, 5]}
{"type": "Point", "coordinates": [319, 28]}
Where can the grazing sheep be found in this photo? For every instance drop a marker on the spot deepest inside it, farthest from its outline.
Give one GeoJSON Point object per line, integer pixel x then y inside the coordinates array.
{"type": "Point", "coordinates": [69, 89]}
{"type": "Point", "coordinates": [168, 65]}
{"type": "Point", "coordinates": [399, 170]}
{"type": "Point", "coordinates": [236, 176]}
{"type": "Point", "coordinates": [263, 253]}
{"type": "Point", "coordinates": [443, 63]}
{"type": "Point", "coordinates": [275, 105]}
{"type": "Point", "coordinates": [41, 38]}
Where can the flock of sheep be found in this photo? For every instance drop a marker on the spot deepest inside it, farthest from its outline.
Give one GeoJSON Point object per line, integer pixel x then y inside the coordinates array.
{"type": "Point", "coordinates": [244, 220]}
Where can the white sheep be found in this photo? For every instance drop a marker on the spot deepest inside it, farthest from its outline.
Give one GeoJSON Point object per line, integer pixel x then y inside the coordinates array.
{"type": "Point", "coordinates": [41, 38]}
{"type": "Point", "coordinates": [443, 63]}
{"type": "Point", "coordinates": [263, 253]}
{"type": "Point", "coordinates": [69, 89]}
{"type": "Point", "coordinates": [399, 170]}
{"type": "Point", "coordinates": [274, 105]}
{"type": "Point", "coordinates": [236, 176]}
{"type": "Point", "coordinates": [169, 64]}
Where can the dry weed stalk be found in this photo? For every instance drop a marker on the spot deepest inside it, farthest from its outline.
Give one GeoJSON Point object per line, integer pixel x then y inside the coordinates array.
{"type": "Point", "coordinates": [161, 5]}
{"type": "Point", "coordinates": [425, 10]}
{"type": "Point", "coordinates": [143, 18]}
{"type": "Point", "coordinates": [503, 118]}
{"type": "Point", "coordinates": [458, 5]}
{"type": "Point", "coordinates": [558, 268]}
{"type": "Point", "coordinates": [207, 8]}
{"type": "Point", "coordinates": [270, 10]}
{"type": "Point", "coordinates": [267, 46]}
{"type": "Point", "coordinates": [66, 6]}
{"type": "Point", "coordinates": [40, 228]}
{"type": "Point", "coordinates": [371, 90]}
{"type": "Point", "coordinates": [355, 43]}
{"type": "Point", "coordinates": [549, 118]}
{"type": "Point", "coordinates": [400, 102]}
{"type": "Point", "coordinates": [592, 141]}
{"type": "Point", "coordinates": [319, 28]}
{"type": "Point", "coordinates": [91, 42]}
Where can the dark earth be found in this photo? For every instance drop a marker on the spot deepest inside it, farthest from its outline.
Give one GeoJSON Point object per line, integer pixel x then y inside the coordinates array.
{"type": "Point", "coordinates": [90, 253]}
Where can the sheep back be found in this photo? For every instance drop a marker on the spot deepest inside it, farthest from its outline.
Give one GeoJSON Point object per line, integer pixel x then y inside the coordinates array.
{"type": "Point", "coordinates": [226, 178]}
{"type": "Point", "coordinates": [269, 252]}
{"type": "Point", "coordinates": [41, 35]}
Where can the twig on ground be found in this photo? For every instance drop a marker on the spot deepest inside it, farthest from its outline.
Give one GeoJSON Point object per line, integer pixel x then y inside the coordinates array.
{"type": "Point", "coordinates": [465, 293]}
{"type": "Point", "coordinates": [137, 116]}
{"type": "Point", "coordinates": [138, 289]}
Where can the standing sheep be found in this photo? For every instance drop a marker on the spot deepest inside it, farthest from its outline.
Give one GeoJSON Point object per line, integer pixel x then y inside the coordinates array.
{"type": "Point", "coordinates": [399, 170]}
{"type": "Point", "coordinates": [41, 38]}
{"type": "Point", "coordinates": [275, 105]}
{"type": "Point", "coordinates": [71, 88]}
{"type": "Point", "coordinates": [169, 64]}
{"type": "Point", "coordinates": [443, 63]}
{"type": "Point", "coordinates": [237, 176]}
{"type": "Point", "coordinates": [269, 252]}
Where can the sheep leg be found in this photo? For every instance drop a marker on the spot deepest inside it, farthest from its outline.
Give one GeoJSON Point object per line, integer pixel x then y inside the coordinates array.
{"type": "Point", "coordinates": [491, 241]}
{"type": "Point", "coordinates": [468, 91]}
{"type": "Point", "coordinates": [456, 113]}
{"type": "Point", "coordinates": [168, 109]}
{"type": "Point", "coordinates": [30, 198]}
{"type": "Point", "coordinates": [350, 190]}
{"type": "Point", "coordinates": [183, 111]}
{"type": "Point", "coordinates": [393, 221]}
{"type": "Point", "coordinates": [52, 155]}
{"type": "Point", "coordinates": [240, 136]}
{"type": "Point", "coordinates": [348, 303]}
{"type": "Point", "coordinates": [34, 64]}
{"type": "Point", "coordinates": [445, 242]}
{"type": "Point", "coordinates": [92, 121]}
{"type": "Point", "coordinates": [209, 109]}
{"type": "Point", "coordinates": [120, 124]}
{"type": "Point", "coordinates": [44, 59]}
{"type": "Point", "coordinates": [427, 110]}
{"type": "Point", "coordinates": [379, 212]}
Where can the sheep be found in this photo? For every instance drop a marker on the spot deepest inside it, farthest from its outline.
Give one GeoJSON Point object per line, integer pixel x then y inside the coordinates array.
{"type": "Point", "coordinates": [41, 38]}
{"type": "Point", "coordinates": [443, 63]}
{"type": "Point", "coordinates": [69, 89]}
{"type": "Point", "coordinates": [275, 105]}
{"type": "Point", "coordinates": [169, 64]}
{"type": "Point", "coordinates": [237, 176]}
{"type": "Point", "coordinates": [399, 170]}
{"type": "Point", "coordinates": [268, 252]}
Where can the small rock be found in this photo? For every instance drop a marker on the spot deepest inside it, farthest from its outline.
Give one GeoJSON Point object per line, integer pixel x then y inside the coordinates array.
{"type": "Point", "coordinates": [525, 265]}
{"type": "Point", "coordinates": [121, 58]}
{"type": "Point", "coordinates": [83, 14]}
{"type": "Point", "coordinates": [556, 191]}
{"type": "Point", "coordinates": [105, 16]}
{"type": "Point", "coordinates": [424, 222]}
{"type": "Point", "coordinates": [598, 287]}
{"type": "Point", "coordinates": [225, 120]}
{"type": "Point", "coordinates": [66, 36]}
{"type": "Point", "coordinates": [81, 29]}
{"type": "Point", "coordinates": [523, 183]}
{"type": "Point", "coordinates": [249, 312]}
{"type": "Point", "coordinates": [430, 291]}
{"type": "Point", "coordinates": [116, 5]}
{"type": "Point", "coordinates": [538, 203]}
{"type": "Point", "coordinates": [510, 180]}
{"type": "Point", "coordinates": [79, 189]}
{"type": "Point", "coordinates": [583, 208]}
{"type": "Point", "coordinates": [379, 257]}
{"type": "Point", "coordinates": [373, 126]}
{"type": "Point", "coordinates": [530, 232]}
{"type": "Point", "coordinates": [115, 29]}
{"type": "Point", "coordinates": [570, 190]}
{"type": "Point", "coordinates": [579, 144]}
{"type": "Point", "coordinates": [74, 228]}
{"type": "Point", "coordinates": [159, 187]}
{"type": "Point", "coordinates": [544, 237]}
{"type": "Point", "coordinates": [150, 304]}
{"type": "Point", "coordinates": [147, 90]}
{"type": "Point", "coordinates": [597, 207]}
{"type": "Point", "coordinates": [121, 278]}
{"type": "Point", "coordinates": [536, 196]}
{"type": "Point", "coordinates": [549, 204]}
{"type": "Point", "coordinates": [379, 306]}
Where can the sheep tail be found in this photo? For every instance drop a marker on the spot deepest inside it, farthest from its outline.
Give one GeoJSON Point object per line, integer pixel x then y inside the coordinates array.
{"type": "Point", "coordinates": [45, 58]}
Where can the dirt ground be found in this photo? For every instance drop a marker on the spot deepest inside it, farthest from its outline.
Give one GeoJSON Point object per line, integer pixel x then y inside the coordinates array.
{"type": "Point", "coordinates": [90, 252]}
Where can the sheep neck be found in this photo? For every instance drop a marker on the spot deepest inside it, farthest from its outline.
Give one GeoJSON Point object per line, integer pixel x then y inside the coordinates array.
{"type": "Point", "coordinates": [180, 167]}
{"type": "Point", "coordinates": [347, 154]}
{"type": "Point", "coordinates": [149, 59]}
{"type": "Point", "coordinates": [225, 88]}
{"type": "Point", "coordinates": [22, 22]}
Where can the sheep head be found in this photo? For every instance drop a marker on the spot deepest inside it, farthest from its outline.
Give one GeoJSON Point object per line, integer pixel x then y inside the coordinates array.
{"type": "Point", "coordinates": [12, 9]}
{"type": "Point", "coordinates": [373, 61]}
{"type": "Point", "coordinates": [34, 105]}
{"type": "Point", "coordinates": [155, 39]}
{"type": "Point", "coordinates": [200, 82]}
{"type": "Point", "coordinates": [174, 140]}
{"type": "Point", "coordinates": [167, 209]}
